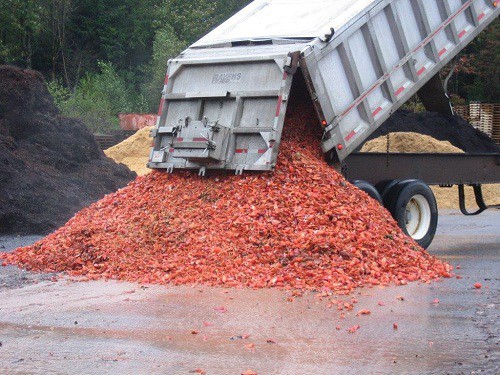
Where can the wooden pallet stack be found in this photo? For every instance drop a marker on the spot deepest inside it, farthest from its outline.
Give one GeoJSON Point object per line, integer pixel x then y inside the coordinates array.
{"type": "Point", "coordinates": [486, 118]}
{"type": "Point", "coordinates": [462, 111]}
{"type": "Point", "coordinates": [495, 134]}
{"type": "Point", "coordinates": [475, 113]}
{"type": "Point", "coordinates": [106, 141]}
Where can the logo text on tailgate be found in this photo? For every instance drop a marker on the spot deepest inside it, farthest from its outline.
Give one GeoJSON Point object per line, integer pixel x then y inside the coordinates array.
{"type": "Point", "coordinates": [226, 78]}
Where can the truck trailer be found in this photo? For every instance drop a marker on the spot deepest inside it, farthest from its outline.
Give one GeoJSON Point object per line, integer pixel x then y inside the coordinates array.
{"type": "Point", "coordinates": [225, 97]}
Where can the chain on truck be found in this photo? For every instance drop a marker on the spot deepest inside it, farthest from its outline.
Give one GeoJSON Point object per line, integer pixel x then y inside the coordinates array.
{"type": "Point", "coordinates": [224, 100]}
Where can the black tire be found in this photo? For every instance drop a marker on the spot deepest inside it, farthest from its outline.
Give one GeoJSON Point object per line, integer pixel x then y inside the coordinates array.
{"type": "Point", "coordinates": [384, 187]}
{"type": "Point", "coordinates": [413, 205]}
{"type": "Point", "coordinates": [391, 193]}
{"type": "Point", "coordinates": [368, 189]}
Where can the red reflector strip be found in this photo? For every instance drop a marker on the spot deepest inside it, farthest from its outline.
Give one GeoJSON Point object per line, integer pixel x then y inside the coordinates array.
{"type": "Point", "coordinates": [166, 79]}
{"type": "Point", "coordinates": [442, 52]}
{"type": "Point", "coordinates": [377, 111]}
{"type": "Point", "coordinates": [350, 136]}
{"type": "Point", "coordinates": [160, 109]}
{"type": "Point", "coordinates": [481, 16]}
{"type": "Point", "coordinates": [462, 33]}
{"type": "Point", "coordinates": [399, 91]}
{"type": "Point", "coordinates": [179, 140]}
{"type": "Point", "coordinates": [421, 71]}
{"type": "Point", "coordinates": [278, 108]}
{"type": "Point", "coordinates": [246, 151]}
{"type": "Point", "coordinates": [171, 150]}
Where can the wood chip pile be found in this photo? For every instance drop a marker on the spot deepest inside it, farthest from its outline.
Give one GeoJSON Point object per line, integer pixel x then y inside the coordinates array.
{"type": "Point", "coordinates": [300, 228]}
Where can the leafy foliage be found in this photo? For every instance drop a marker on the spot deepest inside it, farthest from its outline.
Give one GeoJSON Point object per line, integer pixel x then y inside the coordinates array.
{"type": "Point", "coordinates": [20, 24]}
{"type": "Point", "coordinates": [98, 98]}
{"type": "Point", "coordinates": [166, 45]}
{"type": "Point", "coordinates": [477, 72]}
{"type": "Point", "coordinates": [66, 39]}
{"type": "Point", "coordinates": [192, 19]}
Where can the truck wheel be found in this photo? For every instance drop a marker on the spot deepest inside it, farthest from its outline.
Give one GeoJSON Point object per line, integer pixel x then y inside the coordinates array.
{"type": "Point", "coordinates": [384, 187]}
{"type": "Point", "coordinates": [413, 206]}
{"type": "Point", "coordinates": [368, 189]}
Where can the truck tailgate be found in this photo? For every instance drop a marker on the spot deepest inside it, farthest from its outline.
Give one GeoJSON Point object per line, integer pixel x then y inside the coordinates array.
{"type": "Point", "coordinates": [220, 111]}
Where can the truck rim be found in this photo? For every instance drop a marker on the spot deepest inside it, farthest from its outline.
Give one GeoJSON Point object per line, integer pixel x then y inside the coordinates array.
{"type": "Point", "coordinates": [418, 217]}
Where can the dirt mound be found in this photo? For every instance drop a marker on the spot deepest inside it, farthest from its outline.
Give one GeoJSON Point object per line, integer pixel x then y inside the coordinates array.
{"type": "Point", "coordinates": [133, 151]}
{"type": "Point", "coordinates": [409, 142]}
{"type": "Point", "coordinates": [302, 227]}
{"type": "Point", "coordinates": [453, 129]}
{"type": "Point", "coordinates": [50, 166]}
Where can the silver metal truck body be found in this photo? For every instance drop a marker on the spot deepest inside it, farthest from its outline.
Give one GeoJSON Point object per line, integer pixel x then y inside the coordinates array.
{"type": "Point", "coordinates": [284, 20]}
{"type": "Point", "coordinates": [223, 110]}
{"type": "Point", "coordinates": [225, 97]}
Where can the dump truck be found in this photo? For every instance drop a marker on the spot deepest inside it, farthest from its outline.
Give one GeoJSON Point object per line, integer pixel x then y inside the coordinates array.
{"type": "Point", "coordinates": [225, 97]}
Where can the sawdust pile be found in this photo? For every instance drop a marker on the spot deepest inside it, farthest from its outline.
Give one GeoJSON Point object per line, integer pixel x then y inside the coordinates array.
{"type": "Point", "coordinates": [419, 143]}
{"type": "Point", "coordinates": [453, 129]}
{"type": "Point", "coordinates": [133, 151]}
{"type": "Point", "coordinates": [448, 197]}
{"type": "Point", "coordinates": [410, 142]}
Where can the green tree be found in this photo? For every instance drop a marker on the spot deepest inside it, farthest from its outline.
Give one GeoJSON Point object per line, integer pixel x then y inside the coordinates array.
{"type": "Point", "coordinates": [119, 31]}
{"type": "Point", "coordinates": [98, 98]}
{"type": "Point", "coordinates": [191, 19]}
{"type": "Point", "coordinates": [477, 71]}
{"type": "Point", "coordinates": [20, 23]}
{"type": "Point", "coordinates": [182, 24]}
{"type": "Point", "coordinates": [166, 45]}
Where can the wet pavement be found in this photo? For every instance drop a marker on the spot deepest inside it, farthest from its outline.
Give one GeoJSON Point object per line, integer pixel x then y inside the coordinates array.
{"type": "Point", "coordinates": [448, 327]}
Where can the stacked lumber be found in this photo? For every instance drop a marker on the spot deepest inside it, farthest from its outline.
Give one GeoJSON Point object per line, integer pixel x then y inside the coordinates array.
{"type": "Point", "coordinates": [462, 111]}
{"type": "Point", "coordinates": [495, 133]}
{"type": "Point", "coordinates": [475, 114]}
{"type": "Point", "coordinates": [486, 118]}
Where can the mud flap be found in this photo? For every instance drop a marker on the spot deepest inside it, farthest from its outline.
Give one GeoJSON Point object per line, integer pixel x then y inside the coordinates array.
{"type": "Point", "coordinates": [434, 97]}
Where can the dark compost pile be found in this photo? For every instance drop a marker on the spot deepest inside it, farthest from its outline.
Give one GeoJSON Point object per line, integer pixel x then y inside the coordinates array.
{"type": "Point", "coordinates": [50, 166]}
{"type": "Point", "coordinates": [442, 127]}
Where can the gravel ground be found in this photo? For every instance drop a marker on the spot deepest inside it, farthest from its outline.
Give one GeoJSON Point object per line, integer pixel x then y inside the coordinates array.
{"type": "Point", "coordinates": [448, 327]}
{"type": "Point", "coordinates": [13, 277]}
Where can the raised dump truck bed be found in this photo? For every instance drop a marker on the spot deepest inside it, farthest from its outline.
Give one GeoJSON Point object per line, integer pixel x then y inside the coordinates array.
{"type": "Point", "coordinates": [225, 97]}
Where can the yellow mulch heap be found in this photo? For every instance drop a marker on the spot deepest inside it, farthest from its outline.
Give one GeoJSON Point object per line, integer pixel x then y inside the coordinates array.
{"type": "Point", "coordinates": [414, 142]}
{"type": "Point", "coordinates": [410, 142]}
{"type": "Point", "coordinates": [133, 152]}
{"type": "Point", "coordinates": [448, 197]}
